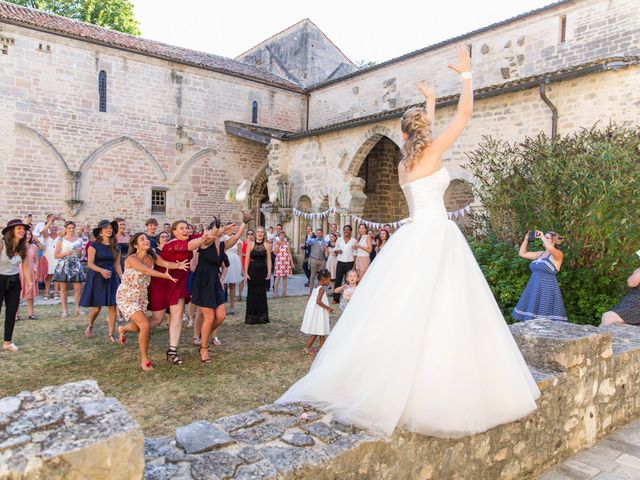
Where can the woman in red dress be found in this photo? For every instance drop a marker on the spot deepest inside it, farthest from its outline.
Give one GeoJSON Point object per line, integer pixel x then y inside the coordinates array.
{"type": "Point", "coordinates": [167, 296]}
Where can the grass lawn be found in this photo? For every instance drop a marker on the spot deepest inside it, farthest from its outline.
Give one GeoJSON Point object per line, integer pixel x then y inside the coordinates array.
{"type": "Point", "coordinates": [254, 366]}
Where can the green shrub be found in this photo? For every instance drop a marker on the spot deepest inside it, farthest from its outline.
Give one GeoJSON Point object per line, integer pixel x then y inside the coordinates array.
{"type": "Point", "coordinates": [584, 186]}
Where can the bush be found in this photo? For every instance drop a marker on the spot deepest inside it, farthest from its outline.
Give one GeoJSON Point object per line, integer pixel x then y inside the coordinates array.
{"type": "Point", "coordinates": [585, 187]}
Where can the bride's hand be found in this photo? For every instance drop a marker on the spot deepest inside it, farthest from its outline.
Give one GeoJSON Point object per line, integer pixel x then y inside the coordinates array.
{"type": "Point", "coordinates": [426, 90]}
{"type": "Point", "coordinates": [464, 60]}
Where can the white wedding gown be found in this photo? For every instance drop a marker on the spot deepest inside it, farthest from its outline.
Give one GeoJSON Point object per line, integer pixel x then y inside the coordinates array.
{"type": "Point", "coordinates": [422, 343]}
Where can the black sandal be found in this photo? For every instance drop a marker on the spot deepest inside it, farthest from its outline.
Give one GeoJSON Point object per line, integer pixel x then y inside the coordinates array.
{"type": "Point", "coordinates": [173, 357]}
{"type": "Point", "coordinates": [206, 361]}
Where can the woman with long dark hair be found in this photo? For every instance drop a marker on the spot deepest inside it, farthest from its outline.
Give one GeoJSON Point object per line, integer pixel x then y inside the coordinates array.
{"type": "Point", "coordinates": [103, 277]}
{"type": "Point", "coordinates": [122, 238]}
{"type": "Point", "coordinates": [208, 292]}
{"type": "Point", "coordinates": [257, 273]}
{"type": "Point", "coordinates": [132, 295]}
{"type": "Point", "coordinates": [13, 250]}
{"type": "Point", "coordinates": [171, 296]}
{"type": "Point", "coordinates": [69, 268]}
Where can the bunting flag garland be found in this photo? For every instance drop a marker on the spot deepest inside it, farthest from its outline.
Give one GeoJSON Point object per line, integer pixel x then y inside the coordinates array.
{"type": "Point", "coordinates": [375, 225]}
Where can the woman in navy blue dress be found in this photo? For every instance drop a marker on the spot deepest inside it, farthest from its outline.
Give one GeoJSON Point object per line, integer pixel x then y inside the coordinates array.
{"type": "Point", "coordinates": [103, 277]}
{"type": "Point", "coordinates": [208, 292]}
{"type": "Point", "coordinates": [542, 297]}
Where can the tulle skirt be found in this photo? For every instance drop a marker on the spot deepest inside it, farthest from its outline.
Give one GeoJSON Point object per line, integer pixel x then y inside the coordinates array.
{"type": "Point", "coordinates": [422, 344]}
{"type": "Point", "coordinates": [235, 273]}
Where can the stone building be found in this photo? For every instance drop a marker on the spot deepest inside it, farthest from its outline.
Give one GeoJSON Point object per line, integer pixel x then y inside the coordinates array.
{"type": "Point", "coordinates": [97, 123]}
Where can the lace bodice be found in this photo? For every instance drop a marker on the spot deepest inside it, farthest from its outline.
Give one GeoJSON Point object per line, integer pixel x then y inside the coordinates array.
{"type": "Point", "coordinates": [425, 196]}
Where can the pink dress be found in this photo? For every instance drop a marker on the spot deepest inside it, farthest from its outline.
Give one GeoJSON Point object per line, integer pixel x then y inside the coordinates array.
{"type": "Point", "coordinates": [32, 264]}
{"type": "Point", "coordinates": [283, 260]}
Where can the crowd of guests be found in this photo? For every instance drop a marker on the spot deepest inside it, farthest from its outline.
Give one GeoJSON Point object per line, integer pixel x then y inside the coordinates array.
{"type": "Point", "coordinates": [147, 277]}
{"type": "Point", "coordinates": [179, 272]}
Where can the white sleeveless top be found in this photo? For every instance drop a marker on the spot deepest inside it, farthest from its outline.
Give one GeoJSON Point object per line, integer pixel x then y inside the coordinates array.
{"type": "Point", "coordinates": [9, 266]}
{"type": "Point", "coordinates": [363, 243]}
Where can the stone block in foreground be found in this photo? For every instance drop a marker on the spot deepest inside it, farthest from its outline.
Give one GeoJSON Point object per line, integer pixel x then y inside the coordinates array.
{"type": "Point", "coordinates": [68, 432]}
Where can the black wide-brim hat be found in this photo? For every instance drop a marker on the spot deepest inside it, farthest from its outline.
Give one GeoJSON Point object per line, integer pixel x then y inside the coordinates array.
{"type": "Point", "coordinates": [102, 224]}
{"type": "Point", "coordinates": [15, 223]}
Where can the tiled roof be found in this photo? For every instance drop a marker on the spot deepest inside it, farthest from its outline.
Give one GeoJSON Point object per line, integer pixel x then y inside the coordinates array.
{"type": "Point", "coordinates": [47, 22]}
{"type": "Point", "coordinates": [600, 65]}
{"type": "Point", "coordinates": [254, 132]}
{"type": "Point", "coordinates": [441, 44]}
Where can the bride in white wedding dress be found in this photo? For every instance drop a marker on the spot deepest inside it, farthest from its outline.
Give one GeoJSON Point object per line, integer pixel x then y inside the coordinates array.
{"type": "Point", "coordinates": [440, 358]}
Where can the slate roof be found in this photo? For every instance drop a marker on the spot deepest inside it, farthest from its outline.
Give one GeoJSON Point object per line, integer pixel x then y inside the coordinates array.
{"type": "Point", "coordinates": [47, 22]}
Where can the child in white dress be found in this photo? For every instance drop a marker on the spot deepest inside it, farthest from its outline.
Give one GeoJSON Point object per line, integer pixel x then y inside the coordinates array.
{"type": "Point", "coordinates": [348, 289]}
{"type": "Point", "coordinates": [316, 316]}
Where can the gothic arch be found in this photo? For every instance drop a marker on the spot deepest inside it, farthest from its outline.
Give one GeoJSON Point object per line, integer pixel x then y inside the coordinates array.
{"type": "Point", "coordinates": [367, 142]}
{"type": "Point", "coordinates": [189, 163]}
{"type": "Point", "coordinates": [48, 145]}
{"type": "Point", "coordinates": [105, 147]}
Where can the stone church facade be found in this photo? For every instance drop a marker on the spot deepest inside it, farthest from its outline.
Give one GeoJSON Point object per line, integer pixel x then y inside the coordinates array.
{"type": "Point", "coordinates": [98, 124]}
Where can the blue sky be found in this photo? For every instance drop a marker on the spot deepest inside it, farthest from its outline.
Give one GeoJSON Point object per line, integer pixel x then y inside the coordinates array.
{"type": "Point", "coordinates": [363, 30]}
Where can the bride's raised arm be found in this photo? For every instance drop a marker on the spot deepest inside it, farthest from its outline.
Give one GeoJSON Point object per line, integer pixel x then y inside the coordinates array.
{"type": "Point", "coordinates": [440, 144]}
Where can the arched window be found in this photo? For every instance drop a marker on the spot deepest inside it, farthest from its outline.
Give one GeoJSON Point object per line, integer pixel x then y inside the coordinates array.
{"type": "Point", "coordinates": [254, 112]}
{"type": "Point", "coordinates": [102, 90]}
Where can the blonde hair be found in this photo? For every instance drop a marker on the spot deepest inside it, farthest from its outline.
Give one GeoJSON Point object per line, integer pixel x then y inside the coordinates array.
{"type": "Point", "coordinates": [415, 124]}
{"type": "Point", "coordinates": [556, 237]}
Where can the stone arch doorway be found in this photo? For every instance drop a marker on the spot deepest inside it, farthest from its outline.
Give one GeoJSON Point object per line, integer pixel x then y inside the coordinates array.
{"type": "Point", "coordinates": [259, 194]}
{"type": "Point", "coordinates": [385, 201]}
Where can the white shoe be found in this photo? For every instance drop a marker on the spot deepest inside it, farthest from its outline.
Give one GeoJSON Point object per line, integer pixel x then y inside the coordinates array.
{"type": "Point", "coordinates": [12, 347]}
{"type": "Point", "coordinates": [216, 342]}
{"type": "Point", "coordinates": [64, 315]}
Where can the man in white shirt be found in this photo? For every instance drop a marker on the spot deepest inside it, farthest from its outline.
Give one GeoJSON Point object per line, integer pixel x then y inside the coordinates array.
{"type": "Point", "coordinates": [346, 257]}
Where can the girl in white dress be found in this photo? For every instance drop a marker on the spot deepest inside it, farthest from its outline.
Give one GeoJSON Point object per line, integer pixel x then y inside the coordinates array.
{"type": "Point", "coordinates": [235, 274]}
{"type": "Point", "coordinates": [316, 316]}
{"type": "Point", "coordinates": [348, 289]}
{"type": "Point", "coordinates": [449, 366]}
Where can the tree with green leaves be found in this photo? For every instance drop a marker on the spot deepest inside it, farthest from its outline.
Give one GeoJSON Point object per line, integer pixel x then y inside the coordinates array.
{"type": "Point", "coordinates": [114, 14]}
{"type": "Point", "coordinates": [583, 185]}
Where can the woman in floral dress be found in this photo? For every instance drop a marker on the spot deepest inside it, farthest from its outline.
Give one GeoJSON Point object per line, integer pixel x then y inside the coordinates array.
{"type": "Point", "coordinates": [283, 265]}
{"type": "Point", "coordinates": [69, 269]}
{"type": "Point", "coordinates": [132, 296]}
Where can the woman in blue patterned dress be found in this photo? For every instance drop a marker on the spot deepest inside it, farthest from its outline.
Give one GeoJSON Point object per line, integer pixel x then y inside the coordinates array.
{"type": "Point", "coordinates": [542, 297]}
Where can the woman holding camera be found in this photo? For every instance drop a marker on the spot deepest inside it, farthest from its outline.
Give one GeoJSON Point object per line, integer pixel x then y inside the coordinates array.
{"type": "Point", "coordinates": [542, 297]}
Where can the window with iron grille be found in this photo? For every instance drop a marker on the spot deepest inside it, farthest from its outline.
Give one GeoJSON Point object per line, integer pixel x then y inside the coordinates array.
{"type": "Point", "coordinates": [158, 201]}
{"type": "Point", "coordinates": [102, 90]}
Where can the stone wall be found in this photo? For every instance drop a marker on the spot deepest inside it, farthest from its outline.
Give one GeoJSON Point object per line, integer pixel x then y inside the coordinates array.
{"type": "Point", "coordinates": [164, 127]}
{"type": "Point", "coordinates": [594, 29]}
{"type": "Point", "coordinates": [590, 385]}
{"type": "Point", "coordinates": [589, 378]}
{"type": "Point", "coordinates": [68, 432]}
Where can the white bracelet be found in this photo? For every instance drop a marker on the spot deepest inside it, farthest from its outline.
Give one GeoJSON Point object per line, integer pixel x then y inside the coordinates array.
{"type": "Point", "coordinates": [466, 75]}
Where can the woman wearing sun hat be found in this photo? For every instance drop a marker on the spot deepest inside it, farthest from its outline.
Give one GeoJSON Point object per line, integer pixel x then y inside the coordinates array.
{"type": "Point", "coordinates": [13, 250]}
{"type": "Point", "coordinates": [103, 277]}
